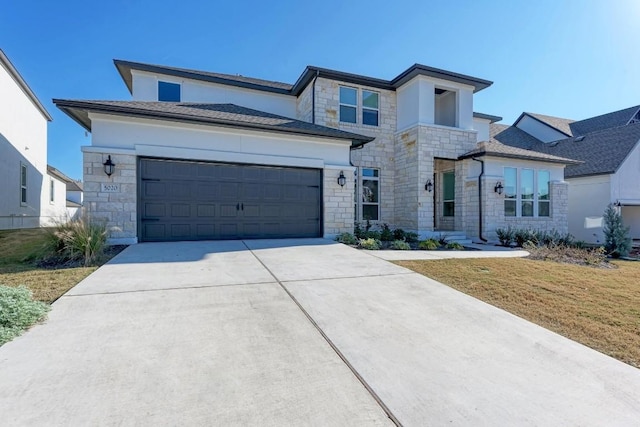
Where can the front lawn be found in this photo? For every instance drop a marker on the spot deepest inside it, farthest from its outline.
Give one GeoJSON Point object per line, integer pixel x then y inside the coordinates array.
{"type": "Point", "coordinates": [20, 251]}
{"type": "Point", "coordinates": [597, 307]}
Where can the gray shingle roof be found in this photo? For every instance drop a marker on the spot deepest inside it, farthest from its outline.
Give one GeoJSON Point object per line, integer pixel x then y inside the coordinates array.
{"type": "Point", "coordinates": [513, 136]}
{"type": "Point", "coordinates": [602, 152]}
{"type": "Point", "coordinates": [604, 121]}
{"type": "Point", "coordinates": [229, 115]}
{"type": "Point", "coordinates": [496, 149]}
{"type": "Point", "coordinates": [563, 125]}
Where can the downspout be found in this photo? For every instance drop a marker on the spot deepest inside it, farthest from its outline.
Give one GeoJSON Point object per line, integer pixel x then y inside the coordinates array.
{"type": "Point", "coordinates": [313, 98]}
{"type": "Point", "coordinates": [480, 199]}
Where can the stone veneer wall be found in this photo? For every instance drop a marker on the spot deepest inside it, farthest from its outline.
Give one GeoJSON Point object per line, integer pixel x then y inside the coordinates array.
{"type": "Point", "coordinates": [117, 205]}
{"type": "Point", "coordinates": [494, 216]}
{"type": "Point", "coordinates": [338, 202]}
{"type": "Point", "coordinates": [304, 104]}
{"type": "Point", "coordinates": [378, 154]}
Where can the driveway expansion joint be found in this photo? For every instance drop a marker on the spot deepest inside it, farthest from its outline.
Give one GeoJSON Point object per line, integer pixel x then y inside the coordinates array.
{"type": "Point", "coordinates": [359, 377]}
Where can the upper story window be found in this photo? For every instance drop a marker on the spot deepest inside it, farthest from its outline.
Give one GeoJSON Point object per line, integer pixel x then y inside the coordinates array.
{"type": "Point", "coordinates": [526, 196]}
{"type": "Point", "coordinates": [370, 106]}
{"type": "Point", "coordinates": [370, 110]}
{"type": "Point", "coordinates": [23, 184]}
{"type": "Point", "coordinates": [169, 92]}
{"type": "Point", "coordinates": [348, 104]}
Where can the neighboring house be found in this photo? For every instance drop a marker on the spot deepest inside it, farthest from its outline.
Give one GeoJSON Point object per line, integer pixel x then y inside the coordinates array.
{"type": "Point", "coordinates": [202, 155]}
{"type": "Point", "coordinates": [609, 173]}
{"type": "Point", "coordinates": [72, 192]}
{"type": "Point", "coordinates": [29, 196]}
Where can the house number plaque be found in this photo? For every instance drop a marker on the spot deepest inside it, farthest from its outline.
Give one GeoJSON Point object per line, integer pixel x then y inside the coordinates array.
{"type": "Point", "coordinates": [109, 188]}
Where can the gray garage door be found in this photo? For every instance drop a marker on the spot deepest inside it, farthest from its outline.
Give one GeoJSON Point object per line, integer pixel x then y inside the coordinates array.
{"type": "Point", "coordinates": [185, 200]}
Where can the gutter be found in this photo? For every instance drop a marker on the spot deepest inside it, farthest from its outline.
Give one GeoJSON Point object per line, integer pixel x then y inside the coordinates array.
{"type": "Point", "coordinates": [313, 98]}
{"type": "Point", "coordinates": [480, 199]}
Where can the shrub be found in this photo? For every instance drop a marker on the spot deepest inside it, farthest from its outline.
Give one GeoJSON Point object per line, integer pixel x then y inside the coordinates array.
{"type": "Point", "coordinates": [398, 234]}
{"type": "Point", "coordinates": [442, 239]}
{"type": "Point", "coordinates": [386, 235]}
{"type": "Point", "coordinates": [567, 254]}
{"type": "Point", "coordinates": [376, 235]}
{"type": "Point", "coordinates": [455, 246]}
{"type": "Point", "coordinates": [616, 236]}
{"type": "Point", "coordinates": [429, 245]}
{"type": "Point", "coordinates": [358, 231]}
{"type": "Point", "coordinates": [79, 240]}
{"type": "Point", "coordinates": [371, 244]}
{"type": "Point", "coordinates": [411, 237]}
{"type": "Point", "coordinates": [522, 236]}
{"type": "Point", "coordinates": [505, 235]}
{"type": "Point", "coordinates": [400, 245]}
{"type": "Point", "coordinates": [347, 239]}
{"type": "Point", "coordinates": [18, 311]}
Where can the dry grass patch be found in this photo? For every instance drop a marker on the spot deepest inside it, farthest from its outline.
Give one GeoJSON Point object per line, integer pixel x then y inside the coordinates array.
{"type": "Point", "coordinates": [599, 308]}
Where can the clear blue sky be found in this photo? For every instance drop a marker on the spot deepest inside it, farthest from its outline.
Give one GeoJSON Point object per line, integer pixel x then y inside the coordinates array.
{"type": "Point", "coordinates": [571, 59]}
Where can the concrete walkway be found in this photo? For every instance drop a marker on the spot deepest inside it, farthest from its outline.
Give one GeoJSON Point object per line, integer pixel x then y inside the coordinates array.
{"type": "Point", "coordinates": [482, 251]}
{"type": "Point", "coordinates": [300, 332]}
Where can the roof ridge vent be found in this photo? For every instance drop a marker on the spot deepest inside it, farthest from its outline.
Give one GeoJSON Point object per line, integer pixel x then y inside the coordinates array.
{"type": "Point", "coordinates": [580, 138]}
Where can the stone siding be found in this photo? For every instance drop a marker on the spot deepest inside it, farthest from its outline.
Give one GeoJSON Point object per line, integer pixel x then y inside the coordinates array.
{"type": "Point", "coordinates": [118, 208]}
{"type": "Point", "coordinates": [338, 202]}
{"type": "Point", "coordinates": [304, 104]}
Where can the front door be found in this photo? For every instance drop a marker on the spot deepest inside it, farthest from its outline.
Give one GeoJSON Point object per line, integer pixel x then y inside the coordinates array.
{"type": "Point", "coordinates": [445, 200]}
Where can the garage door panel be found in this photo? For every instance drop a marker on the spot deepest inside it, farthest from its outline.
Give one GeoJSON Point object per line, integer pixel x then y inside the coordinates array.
{"type": "Point", "coordinates": [182, 200]}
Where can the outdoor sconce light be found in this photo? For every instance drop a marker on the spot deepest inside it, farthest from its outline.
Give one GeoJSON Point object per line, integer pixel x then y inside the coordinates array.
{"type": "Point", "coordinates": [109, 166]}
{"type": "Point", "coordinates": [341, 179]}
{"type": "Point", "coordinates": [498, 188]}
{"type": "Point", "coordinates": [428, 186]}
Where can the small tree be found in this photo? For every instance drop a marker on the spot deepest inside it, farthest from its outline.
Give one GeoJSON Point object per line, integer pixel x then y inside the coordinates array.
{"type": "Point", "coordinates": [617, 242]}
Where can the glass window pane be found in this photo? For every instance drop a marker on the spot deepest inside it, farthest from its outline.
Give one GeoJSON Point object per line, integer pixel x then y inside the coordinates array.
{"type": "Point", "coordinates": [370, 191]}
{"type": "Point", "coordinates": [509, 208]}
{"type": "Point", "coordinates": [369, 99]}
{"type": "Point", "coordinates": [543, 209]}
{"type": "Point", "coordinates": [370, 172]}
{"type": "Point", "coordinates": [370, 212]}
{"type": "Point", "coordinates": [526, 184]}
{"type": "Point", "coordinates": [448, 209]}
{"type": "Point", "coordinates": [449, 185]}
{"type": "Point", "coordinates": [169, 92]}
{"type": "Point", "coordinates": [347, 114]}
{"type": "Point", "coordinates": [370, 117]}
{"type": "Point", "coordinates": [510, 183]}
{"type": "Point", "coordinates": [348, 96]}
{"type": "Point", "coordinates": [23, 175]}
{"type": "Point", "coordinates": [527, 208]}
{"type": "Point", "coordinates": [23, 195]}
{"type": "Point", "coordinates": [543, 185]}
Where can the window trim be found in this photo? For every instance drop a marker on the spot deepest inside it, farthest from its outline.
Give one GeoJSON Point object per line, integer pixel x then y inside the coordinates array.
{"type": "Point", "coordinates": [172, 83]}
{"type": "Point", "coordinates": [519, 200]}
{"type": "Point", "coordinates": [24, 184]}
{"type": "Point", "coordinates": [341, 104]}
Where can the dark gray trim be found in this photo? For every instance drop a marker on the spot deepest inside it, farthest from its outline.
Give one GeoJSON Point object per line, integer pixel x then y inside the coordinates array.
{"type": "Point", "coordinates": [423, 70]}
{"type": "Point", "coordinates": [78, 110]}
{"type": "Point", "coordinates": [493, 119]}
{"type": "Point", "coordinates": [13, 72]}
{"type": "Point", "coordinates": [522, 157]}
{"type": "Point", "coordinates": [125, 67]}
{"type": "Point", "coordinates": [539, 121]}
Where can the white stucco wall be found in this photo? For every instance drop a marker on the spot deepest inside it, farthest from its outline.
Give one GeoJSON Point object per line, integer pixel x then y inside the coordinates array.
{"type": "Point", "coordinates": [539, 130]}
{"type": "Point", "coordinates": [588, 198]}
{"type": "Point", "coordinates": [145, 88]}
{"type": "Point", "coordinates": [53, 212]}
{"type": "Point", "coordinates": [625, 183]}
{"type": "Point", "coordinates": [417, 105]}
{"type": "Point", "coordinates": [482, 126]}
{"type": "Point", "coordinates": [23, 139]}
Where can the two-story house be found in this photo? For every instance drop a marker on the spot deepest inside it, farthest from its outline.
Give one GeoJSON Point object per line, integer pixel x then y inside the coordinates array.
{"type": "Point", "coordinates": [30, 196]}
{"type": "Point", "coordinates": [200, 155]}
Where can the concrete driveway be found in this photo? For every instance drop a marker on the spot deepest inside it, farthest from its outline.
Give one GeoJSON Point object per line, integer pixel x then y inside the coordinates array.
{"type": "Point", "coordinates": [299, 332]}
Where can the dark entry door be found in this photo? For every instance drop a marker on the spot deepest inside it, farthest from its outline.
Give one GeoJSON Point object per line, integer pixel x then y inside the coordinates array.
{"type": "Point", "coordinates": [187, 200]}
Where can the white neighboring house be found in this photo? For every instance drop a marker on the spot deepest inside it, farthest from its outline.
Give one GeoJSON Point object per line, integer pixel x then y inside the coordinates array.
{"type": "Point", "coordinates": [71, 191]}
{"type": "Point", "coordinates": [608, 147]}
{"type": "Point", "coordinates": [29, 196]}
{"type": "Point", "coordinates": [201, 155]}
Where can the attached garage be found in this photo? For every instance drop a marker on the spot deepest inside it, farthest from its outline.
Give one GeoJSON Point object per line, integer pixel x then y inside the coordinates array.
{"type": "Point", "coordinates": [191, 200]}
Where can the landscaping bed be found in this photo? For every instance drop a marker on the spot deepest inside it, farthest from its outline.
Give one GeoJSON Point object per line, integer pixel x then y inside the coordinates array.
{"type": "Point", "coordinates": [398, 239]}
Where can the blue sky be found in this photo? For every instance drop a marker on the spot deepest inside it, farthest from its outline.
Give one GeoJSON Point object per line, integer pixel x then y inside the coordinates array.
{"type": "Point", "coordinates": [573, 59]}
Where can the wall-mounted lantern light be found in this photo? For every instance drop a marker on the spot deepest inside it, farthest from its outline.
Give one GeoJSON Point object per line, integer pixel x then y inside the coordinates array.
{"type": "Point", "coordinates": [498, 188]}
{"type": "Point", "coordinates": [109, 166]}
{"type": "Point", "coordinates": [342, 180]}
{"type": "Point", "coordinates": [617, 204]}
{"type": "Point", "coordinates": [428, 186]}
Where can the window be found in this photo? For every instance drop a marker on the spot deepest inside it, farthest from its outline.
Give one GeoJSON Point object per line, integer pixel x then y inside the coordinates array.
{"type": "Point", "coordinates": [370, 111]}
{"type": "Point", "coordinates": [169, 92]}
{"type": "Point", "coordinates": [524, 195]}
{"type": "Point", "coordinates": [52, 191]}
{"type": "Point", "coordinates": [348, 104]}
{"type": "Point", "coordinates": [370, 195]}
{"type": "Point", "coordinates": [23, 184]}
{"type": "Point", "coordinates": [448, 193]}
